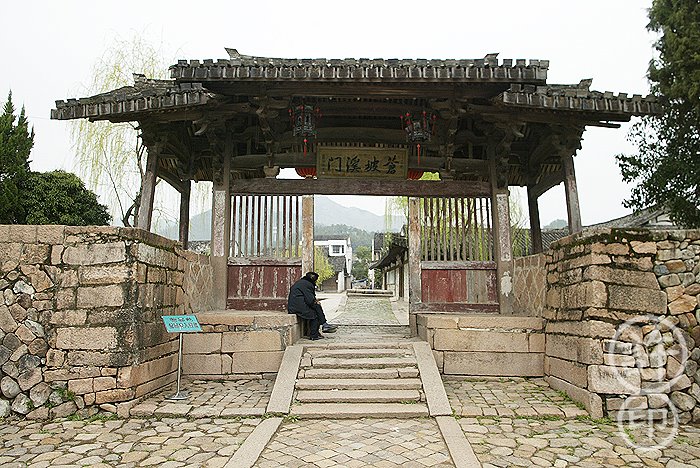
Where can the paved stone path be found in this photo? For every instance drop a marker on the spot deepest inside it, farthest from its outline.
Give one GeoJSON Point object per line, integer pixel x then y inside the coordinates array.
{"type": "Point", "coordinates": [500, 442]}
{"type": "Point", "coordinates": [211, 399]}
{"type": "Point", "coordinates": [357, 443]}
{"type": "Point", "coordinates": [508, 422]}
{"type": "Point", "coordinates": [367, 310]}
{"type": "Point", "coordinates": [166, 443]}
{"type": "Point", "coordinates": [508, 397]}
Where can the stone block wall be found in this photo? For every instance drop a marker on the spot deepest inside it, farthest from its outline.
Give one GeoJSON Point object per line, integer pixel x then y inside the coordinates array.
{"type": "Point", "coordinates": [622, 322]}
{"type": "Point", "coordinates": [80, 322]}
{"type": "Point", "coordinates": [488, 345]}
{"type": "Point", "coordinates": [236, 345]}
{"type": "Point", "coordinates": [530, 285]}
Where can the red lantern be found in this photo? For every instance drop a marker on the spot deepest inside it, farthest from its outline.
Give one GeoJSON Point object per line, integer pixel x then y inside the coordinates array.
{"type": "Point", "coordinates": [306, 172]}
{"type": "Point", "coordinates": [414, 174]}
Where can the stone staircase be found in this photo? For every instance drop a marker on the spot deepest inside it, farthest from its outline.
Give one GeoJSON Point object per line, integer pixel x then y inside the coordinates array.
{"type": "Point", "coordinates": [350, 380]}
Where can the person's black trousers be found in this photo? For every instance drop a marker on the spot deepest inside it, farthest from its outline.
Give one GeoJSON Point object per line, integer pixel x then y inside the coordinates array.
{"type": "Point", "coordinates": [316, 322]}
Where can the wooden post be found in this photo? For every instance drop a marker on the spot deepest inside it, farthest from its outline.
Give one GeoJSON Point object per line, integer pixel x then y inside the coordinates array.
{"type": "Point", "coordinates": [414, 259]}
{"type": "Point", "coordinates": [307, 233]}
{"type": "Point", "coordinates": [148, 189]}
{"type": "Point", "coordinates": [221, 227]}
{"type": "Point", "coordinates": [500, 212]}
{"type": "Point", "coordinates": [535, 229]}
{"type": "Point", "coordinates": [185, 214]}
{"type": "Point", "coordinates": [573, 208]}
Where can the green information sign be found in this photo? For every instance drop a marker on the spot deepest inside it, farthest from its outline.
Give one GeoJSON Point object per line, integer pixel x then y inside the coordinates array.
{"type": "Point", "coordinates": [181, 323]}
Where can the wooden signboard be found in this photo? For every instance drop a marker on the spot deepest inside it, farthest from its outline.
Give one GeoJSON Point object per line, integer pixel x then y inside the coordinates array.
{"type": "Point", "coordinates": [361, 163]}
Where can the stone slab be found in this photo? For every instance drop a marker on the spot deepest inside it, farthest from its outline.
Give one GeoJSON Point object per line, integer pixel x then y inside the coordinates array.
{"type": "Point", "coordinates": [591, 401]}
{"type": "Point", "coordinates": [357, 396]}
{"type": "Point", "coordinates": [480, 340]}
{"type": "Point", "coordinates": [256, 362]}
{"type": "Point", "coordinates": [282, 392]}
{"type": "Point", "coordinates": [249, 452]}
{"type": "Point", "coordinates": [254, 340]}
{"type": "Point", "coordinates": [358, 384]}
{"type": "Point", "coordinates": [461, 451]}
{"type": "Point", "coordinates": [359, 410]}
{"type": "Point", "coordinates": [433, 387]}
{"type": "Point", "coordinates": [494, 363]}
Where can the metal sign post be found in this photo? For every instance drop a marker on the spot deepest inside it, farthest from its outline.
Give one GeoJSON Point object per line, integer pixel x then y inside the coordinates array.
{"type": "Point", "coordinates": [180, 324]}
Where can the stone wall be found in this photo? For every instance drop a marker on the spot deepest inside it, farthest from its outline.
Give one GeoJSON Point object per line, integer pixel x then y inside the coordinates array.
{"type": "Point", "coordinates": [80, 322]}
{"type": "Point", "coordinates": [622, 312]}
{"type": "Point", "coordinates": [490, 345]}
{"type": "Point", "coordinates": [236, 345]}
{"type": "Point", "coordinates": [530, 285]}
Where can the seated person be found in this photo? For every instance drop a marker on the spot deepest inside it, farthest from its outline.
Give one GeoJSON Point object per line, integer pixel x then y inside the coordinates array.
{"type": "Point", "coordinates": [302, 301]}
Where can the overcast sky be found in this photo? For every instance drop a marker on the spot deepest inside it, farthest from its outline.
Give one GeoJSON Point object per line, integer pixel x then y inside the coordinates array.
{"type": "Point", "coordinates": [48, 48]}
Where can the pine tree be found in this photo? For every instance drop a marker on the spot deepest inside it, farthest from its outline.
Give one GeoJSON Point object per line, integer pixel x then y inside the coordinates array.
{"type": "Point", "coordinates": [16, 141]}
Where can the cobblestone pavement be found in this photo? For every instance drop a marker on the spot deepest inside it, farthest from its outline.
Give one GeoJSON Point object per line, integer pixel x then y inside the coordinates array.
{"type": "Point", "coordinates": [508, 397]}
{"type": "Point", "coordinates": [166, 443]}
{"type": "Point", "coordinates": [500, 442]}
{"type": "Point", "coordinates": [210, 399]}
{"type": "Point", "coordinates": [381, 443]}
{"type": "Point", "coordinates": [367, 310]}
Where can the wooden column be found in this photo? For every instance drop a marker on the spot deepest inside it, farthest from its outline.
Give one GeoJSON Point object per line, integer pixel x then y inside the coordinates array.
{"type": "Point", "coordinates": [503, 252]}
{"type": "Point", "coordinates": [535, 228]}
{"type": "Point", "coordinates": [307, 234]}
{"type": "Point", "coordinates": [414, 258]}
{"type": "Point", "coordinates": [573, 208]}
{"type": "Point", "coordinates": [185, 214]}
{"type": "Point", "coordinates": [221, 227]}
{"type": "Point", "coordinates": [148, 190]}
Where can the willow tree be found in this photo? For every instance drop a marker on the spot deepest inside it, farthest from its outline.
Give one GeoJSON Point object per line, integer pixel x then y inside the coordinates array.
{"type": "Point", "coordinates": [111, 156]}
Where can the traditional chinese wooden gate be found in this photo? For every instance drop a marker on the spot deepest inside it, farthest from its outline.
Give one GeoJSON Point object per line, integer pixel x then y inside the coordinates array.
{"type": "Point", "coordinates": [458, 272]}
{"type": "Point", "coordinates": [266, 251]}
{"type": "Point", "coordinates": [483, 124]}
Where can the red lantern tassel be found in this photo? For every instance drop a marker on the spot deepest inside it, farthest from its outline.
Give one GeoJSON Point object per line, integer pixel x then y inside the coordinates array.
{"type": "Point", "coordinates": [305, 141]}
{"type": "Point", "coordinates": [418, 145]}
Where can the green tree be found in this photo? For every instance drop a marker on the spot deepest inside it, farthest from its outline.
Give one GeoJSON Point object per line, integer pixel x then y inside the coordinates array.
{"type": "Point", "coordinates": [16, 142]}
{"type": "Point", "coordinates": [60, 197]}
{"type": "Point", "coordinates": [666, 166]}
{"type": "Point", "coordinates": [360, 265]}
{"type": "Point", "coordinates": [321, 265]}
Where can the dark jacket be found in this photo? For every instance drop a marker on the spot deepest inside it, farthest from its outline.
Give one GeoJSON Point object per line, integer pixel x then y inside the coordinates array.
{"type": "Point", "coordinates": [302, 297]}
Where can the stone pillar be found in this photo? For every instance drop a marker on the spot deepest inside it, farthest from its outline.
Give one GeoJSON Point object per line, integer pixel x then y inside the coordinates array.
{"type": "Point", "coordinates": [534, 212]}
{"type": "Point", "coordinates": [221, 228]}
{"type": "Point", "coordinates": [414, 259]}
{"type": "Point", "coordinates": [573, 209]}
{"type": "Point", "coordinates": [503, 252]}
{"type": "Point", "coordinates": [148, 189]}
{"type": "Point", "coordinates": [185, 214]}
{"type": "Point", "coordinates": [307, 233]}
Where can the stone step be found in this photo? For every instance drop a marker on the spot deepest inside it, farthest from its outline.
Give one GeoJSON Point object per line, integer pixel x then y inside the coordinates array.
{"type": "Point", "coordinates": [386, 373]}
{"type": "Point", "coordinates": [363, 363]}
{"type": "Point", "coordinates": [358, 345]}
{"type": "Point", "coordinates": [361, 352]}
{"type": "Point", "coordinates": [359, 410]}
{"type": "Point", "coordinates": [358, 384]}
{"type": "Point", "coordinates": [358, 396]}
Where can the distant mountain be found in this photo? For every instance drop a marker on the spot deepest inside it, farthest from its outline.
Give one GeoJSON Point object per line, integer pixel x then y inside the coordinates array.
{"type": "Point", "coordinates": [556, 224]}
{"type": "Point", "coordinates": [326, 211]}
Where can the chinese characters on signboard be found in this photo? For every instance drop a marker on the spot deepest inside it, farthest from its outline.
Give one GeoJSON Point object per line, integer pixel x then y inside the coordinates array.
{"type": "Point", "coordinates": [181, 323]}
{"type": "Point", "coordinates": [384, 163]}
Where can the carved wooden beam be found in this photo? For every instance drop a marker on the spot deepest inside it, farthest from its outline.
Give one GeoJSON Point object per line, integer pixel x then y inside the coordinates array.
{"type": "Point", "coordinates": [360, 187]}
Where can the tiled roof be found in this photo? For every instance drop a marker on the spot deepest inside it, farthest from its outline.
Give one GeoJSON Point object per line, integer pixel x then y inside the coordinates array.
{"type": "Point", "coordinates": [145, 95]}
{"type": "Point", "coordinates": [245, 67]}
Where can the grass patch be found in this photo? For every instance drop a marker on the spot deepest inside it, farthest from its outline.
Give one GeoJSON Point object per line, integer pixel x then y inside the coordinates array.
{"type": "Point", "coordinates": [291, 418]}
{"type": "Point", "coordinates": [629, 434]}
